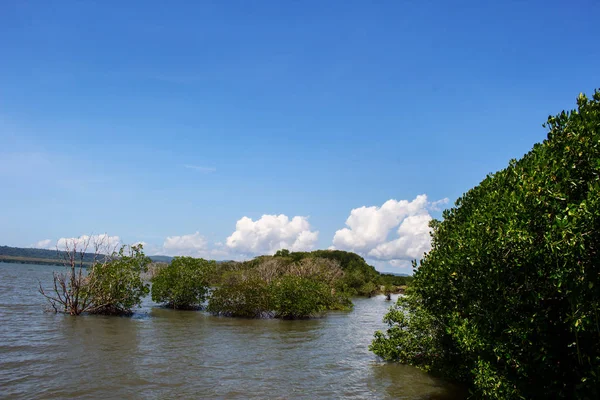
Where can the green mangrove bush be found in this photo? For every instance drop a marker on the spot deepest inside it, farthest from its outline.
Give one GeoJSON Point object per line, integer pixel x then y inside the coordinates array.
{"type": "Point", "coordinates": [281, 288]}
{"type": "Point", "coordinates": [116, 287]}
{"type": "Point", "coordinates": [182, 284]}
{"type": "Point", "coordinates": [508, 299]}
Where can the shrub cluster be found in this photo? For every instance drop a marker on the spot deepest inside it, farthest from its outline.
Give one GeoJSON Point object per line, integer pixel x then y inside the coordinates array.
{"type": "Point", "coordinates": [280, 288]}
{"type": "Point", "coordinates": [182, 284]}
{"type": "Point", "coordinates": [288, 285]}
{"type": "Point", "coordinates": [356, 276]}
{"type": "Point", "coordinates": [111, 285]}
{"type": "Point", "coordinates": [116, 287]}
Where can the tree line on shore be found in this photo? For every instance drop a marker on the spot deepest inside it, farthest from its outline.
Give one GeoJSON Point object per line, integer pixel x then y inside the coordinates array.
{"type": "Point", "coordinates": [286, 285]}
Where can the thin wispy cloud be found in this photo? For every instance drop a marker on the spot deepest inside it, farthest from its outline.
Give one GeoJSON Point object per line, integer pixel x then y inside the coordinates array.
{"type": "Point", "coordinates": [200, 168]}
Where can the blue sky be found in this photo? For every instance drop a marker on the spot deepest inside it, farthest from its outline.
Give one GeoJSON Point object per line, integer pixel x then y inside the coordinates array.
{"type": "Point", "coordinates": [168, 123]}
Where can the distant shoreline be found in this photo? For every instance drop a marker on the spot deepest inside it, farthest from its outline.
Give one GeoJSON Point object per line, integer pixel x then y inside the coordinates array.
{"type": "Point", "coordinates": [23, 255]}
{"type": "Point", "coordinates": [27, 260]}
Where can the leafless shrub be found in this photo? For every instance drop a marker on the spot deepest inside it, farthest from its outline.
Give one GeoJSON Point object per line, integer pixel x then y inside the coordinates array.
{"type": "Point", "coordinates": [326, 270]}
{"type": "Point", "coordinates": [70, 292]}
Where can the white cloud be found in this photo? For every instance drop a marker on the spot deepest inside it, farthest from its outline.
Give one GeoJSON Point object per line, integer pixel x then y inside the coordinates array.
{"type": "Point", "coordinates": [150, 249]}
{"type": "Point", "coordinates": [43, 244]}
{"type": "Point", "coordinates": [271, 233]}
{"type": "Point", "coordinates": [106, 244]}
{"type": "Point", "coordinates": [368, 230]}
{"type": "Point", "coordinates": [193, 244]}
{"type": "Point", "coordinates": [185, 245]}
{"type": "Point", "coordinates": [437, 205]}
{"type": "Point", "coordinates": [413, 240]}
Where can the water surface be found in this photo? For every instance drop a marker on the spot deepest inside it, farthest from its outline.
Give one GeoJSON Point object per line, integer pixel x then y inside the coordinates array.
{"type": "Point", "coordinates": [160, 353]}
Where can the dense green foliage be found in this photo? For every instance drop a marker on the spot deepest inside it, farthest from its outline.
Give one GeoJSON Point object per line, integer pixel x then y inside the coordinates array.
{"type": "Point", "coordinates": [358, 276]}
{"type": "Point", "coordinates": [508, 299]}
{"type": "Point", "coordinates": [241, 295]}
{"type": "Point", "coordinates": [299, 297]}
{"type": "Point", "coordinates": [116, 287]}
{"type": "Point", "coordinates": [414, 337]}
{"type": "Point", "coordinates": [287, 285]}
{"type": "Point", "coordinates": [183, 284]}
{"type": "Point", "coordinates": [357, 273]}
{"type": "Point", "coordinates": [368, 289]}
{"type": "Point", "coordinates": [279, 287]}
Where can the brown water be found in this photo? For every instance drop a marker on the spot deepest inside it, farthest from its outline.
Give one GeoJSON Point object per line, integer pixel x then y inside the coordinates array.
{"type": "Point", "coordinates": [160, 353]}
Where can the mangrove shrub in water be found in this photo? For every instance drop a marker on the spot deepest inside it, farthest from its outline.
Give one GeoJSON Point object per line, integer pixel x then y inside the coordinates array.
{"type": "Point", "coordinates": [508, 299]}
{"type": "Point", "coordinates": [182, 284]}
{"type": "Point", "coordinates": [241, 295]}
{"type": "Point", "coordinates": [102, 282]}
{"type": "Point", "coordinates": [280, 288]}
{"type": "Point", "coordinates": [298, 297]}
{"type": "Point", "coordinates": [355, 276]}
{"type": "Point", "coordinates": [116, 287]}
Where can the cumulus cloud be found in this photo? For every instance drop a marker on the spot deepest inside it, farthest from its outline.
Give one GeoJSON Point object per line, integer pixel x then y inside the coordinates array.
{"type": "Point", "coordinates": [271, 233]}
{"type": "Point", "coordinates": [150, 249]}
{"type": "Point", "coordinates": [193, 244]}
{"type": "Point", "coordinates": [105, 243]}
{"type": "Point", "coordinates": [369, 229]}
{"type": "Point", "coordinates": [412, 242]}
{"type": "Point", "coordinates": [43, 244]}
{"type": "Point", "coordinates": [438, 205]}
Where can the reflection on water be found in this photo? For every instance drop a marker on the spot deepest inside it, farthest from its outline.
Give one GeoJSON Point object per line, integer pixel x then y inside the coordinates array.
{"type": "Point", "coordinates": [161, 353]}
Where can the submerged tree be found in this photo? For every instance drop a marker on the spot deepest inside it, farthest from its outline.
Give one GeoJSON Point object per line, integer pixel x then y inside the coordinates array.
{"type": "Point", "coordinates": [70, 293]}
{"type": "Point", "coordinates": [280, 287]}
{"type": "Point", "coordinates": [388, 290]}
{"type": "Point", "coordinates": [116, 287]}
{"type": "Point", "coordinates": [242, 294]}
{"type": "Point", "coordinates": [296, 297]}
{"type": "Point", "coordinates": [109, 283]}
{"type": "Point", "coordinates": [183, 284]}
